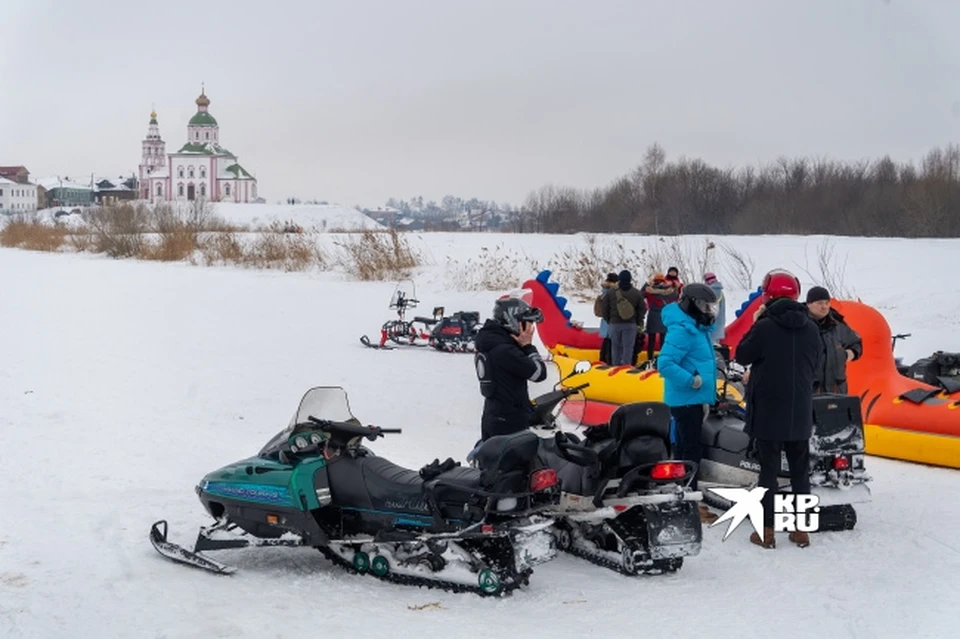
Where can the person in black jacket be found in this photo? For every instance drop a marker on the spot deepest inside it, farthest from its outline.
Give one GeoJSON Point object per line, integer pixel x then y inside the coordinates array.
{"type": "Point", "coordinates": [505, 361]}
{"type": "Point", "coordinates": [781, 349]}
{"type": "Point", "coordinates": [840, 343]}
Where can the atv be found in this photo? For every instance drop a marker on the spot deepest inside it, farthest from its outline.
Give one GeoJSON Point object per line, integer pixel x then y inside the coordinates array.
{"type": "Point", "coordinates": [314, 484]}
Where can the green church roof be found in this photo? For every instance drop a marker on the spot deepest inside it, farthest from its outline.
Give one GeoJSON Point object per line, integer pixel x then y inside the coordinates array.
{"type": "Point", "coordinates": [203, 118]}
{"type": "Point", "coordinates": [209, 148]}
{"type": "Point", "coordinates": [238, 171]}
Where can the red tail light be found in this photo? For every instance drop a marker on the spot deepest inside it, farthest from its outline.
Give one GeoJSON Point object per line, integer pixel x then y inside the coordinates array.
{"type": "Point", "coordinates": [668, 470]}
{"type": "Point", "coordinates": [841, 463]}
{"type": "Point", "coordinates": [543, 479]}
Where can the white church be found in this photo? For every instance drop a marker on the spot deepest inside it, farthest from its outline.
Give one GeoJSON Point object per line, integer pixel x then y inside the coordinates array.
{"type": "Point", "coordinates": [201, 169]}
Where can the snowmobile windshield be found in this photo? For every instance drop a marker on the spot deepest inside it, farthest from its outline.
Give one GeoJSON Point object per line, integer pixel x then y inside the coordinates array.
{"type": "Point", "coordinates": [322, 402]}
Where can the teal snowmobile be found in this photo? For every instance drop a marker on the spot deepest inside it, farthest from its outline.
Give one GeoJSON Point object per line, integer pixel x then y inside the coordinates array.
{"type": "Point", "coordinates": [314, 484]}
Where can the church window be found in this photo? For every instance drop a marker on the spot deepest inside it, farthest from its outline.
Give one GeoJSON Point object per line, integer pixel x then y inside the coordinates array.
{"type": "Point", "coordinates": [190, 172]}
{"type": "Point", "coordinates": [180, 190]}
{"type": "Point", "coordinates": [206, 135]}
{"type": "Point", "coordinates": [159, 190]}
{"type": "Point", "coordinates": [226, 189]}
{"type": "Point", "coordinates": [180, 172]}
{"type": "Point", "coordinates": [203, 172]}
{"type": "Point", "coordinates": [203, 190]}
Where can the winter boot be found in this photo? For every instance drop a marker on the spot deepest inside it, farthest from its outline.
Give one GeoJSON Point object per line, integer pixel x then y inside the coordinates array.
{"type": "Point", "coordinates": [800, 538]}
{"type": "Point", "coordinates": [706, 517]}
{"type": "Point", "coordinates": [769, 541]}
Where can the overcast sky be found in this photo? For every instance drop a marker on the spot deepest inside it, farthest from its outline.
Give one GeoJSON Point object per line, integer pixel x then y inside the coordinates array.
{"type": "Point", "coordinates": [355, 101]}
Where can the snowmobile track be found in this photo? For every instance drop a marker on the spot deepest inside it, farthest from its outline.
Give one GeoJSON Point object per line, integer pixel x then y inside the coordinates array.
{"type": "Point", "coordinates": [520, 579]}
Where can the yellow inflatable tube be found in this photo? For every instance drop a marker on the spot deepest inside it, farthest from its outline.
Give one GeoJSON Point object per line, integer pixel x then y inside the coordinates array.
{"type": "Point", "coordinates": [613, 384]}
{"type": "Point", "coordinates": [624, 384]}
{"type": "Point", "coordinates": [911, 445]}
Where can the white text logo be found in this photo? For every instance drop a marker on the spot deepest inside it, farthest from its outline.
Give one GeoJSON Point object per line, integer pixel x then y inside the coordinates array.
{"type": "Point", "coordinates": [790, 512]}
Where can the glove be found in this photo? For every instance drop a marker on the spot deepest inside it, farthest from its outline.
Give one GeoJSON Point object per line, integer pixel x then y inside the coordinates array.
{"type": "Point", "coordinates": [697, 382]}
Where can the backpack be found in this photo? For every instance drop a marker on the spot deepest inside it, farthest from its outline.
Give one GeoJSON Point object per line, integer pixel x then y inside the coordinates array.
{"type": "Point", "coordinates": [624, 306]}
{"type": "Point", "coordinates": [598, 305]}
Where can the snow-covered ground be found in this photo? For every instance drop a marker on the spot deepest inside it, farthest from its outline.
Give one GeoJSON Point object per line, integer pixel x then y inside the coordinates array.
{"type": "Point", "coordinates": [312, 217]}
{"type": "Point", "coordinates": [123, 382]}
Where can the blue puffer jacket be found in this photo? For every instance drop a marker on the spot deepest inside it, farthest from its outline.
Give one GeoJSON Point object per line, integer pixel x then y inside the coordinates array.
{"type": "Point", "coordinates": [686, 350]}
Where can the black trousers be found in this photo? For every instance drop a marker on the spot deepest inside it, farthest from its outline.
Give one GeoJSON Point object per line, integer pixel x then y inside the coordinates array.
{"type": "Point", "coordinates": [798, 459]}
{"type": "Point", "coordinates": [689, 424]}
{"type": "Point", "coordinates": [605, 351]}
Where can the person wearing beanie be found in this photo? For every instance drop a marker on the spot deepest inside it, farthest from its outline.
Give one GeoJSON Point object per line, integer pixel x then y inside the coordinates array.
{"type": "Point", "coordinates": [605, 287]}
{"type": "Point", "coordinates": [624, 310]}
{"type": "Point", "coordinates": [673, 278]}
{"type": "Point", "coordinates": [710, 279]}
{"type": "Point", "coordinates": [839, 343]}
{"type": "Point", "coordinates": [657, 293]}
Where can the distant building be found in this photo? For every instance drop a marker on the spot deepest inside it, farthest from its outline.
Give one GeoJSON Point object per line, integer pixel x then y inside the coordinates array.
{"type": "Point", "coordinates": [64, 192]}
{"type": "Point", "coordinates": [111, 191]}
{"type": "Point", "coordinates": [17, 197]}
{"type": "Point", "coordinates": [201, 169]}
{"type": "Point", "coordinates": [18, 174]}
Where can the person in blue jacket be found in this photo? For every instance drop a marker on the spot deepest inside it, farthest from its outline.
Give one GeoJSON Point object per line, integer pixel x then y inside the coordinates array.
{"type": "Point", "coordinates": [689, 370]}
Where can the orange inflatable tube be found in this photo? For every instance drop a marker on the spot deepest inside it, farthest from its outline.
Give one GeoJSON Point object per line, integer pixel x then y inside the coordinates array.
{"type": "Point", "coordinates": [903, 418]}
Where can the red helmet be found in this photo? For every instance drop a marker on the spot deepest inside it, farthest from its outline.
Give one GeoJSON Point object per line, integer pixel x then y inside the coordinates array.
{"type": "Point", "coordinates": [780, 283]}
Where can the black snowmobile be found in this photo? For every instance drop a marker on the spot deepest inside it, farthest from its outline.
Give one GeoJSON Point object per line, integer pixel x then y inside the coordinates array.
{"type": "Point", "coordinates": [626, 505]}
{"type": "Point", "coordinates": [837, 473]}
{"type": "Point", "coordinates": [454, 334]}
{"type": "Point", "coordinates": [940, 369]}
{"type": "Point", "coordinates": [447, 526]}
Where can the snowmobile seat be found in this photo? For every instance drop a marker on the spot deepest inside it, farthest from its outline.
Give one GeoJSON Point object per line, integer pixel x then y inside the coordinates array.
{"type": "Point", "coordinates": [462, 476]}
{"type": "Point", "coordinates": [640, 418]}
{"type": "Point", "coordinates": [429, 321]}
{"type": "Point", "coordinates": [454, 490]}
{"type": "Point", "coordinates": [577, 478]}
{"type": "Point", "coordinates": [373, 483]}
{"type": "Point", "coordinates": [506, 459]}
{"type": "Point", "coordinates": [644, 450]}
{"type": "Point", "coordinates": [732, 439]}
{"type": "Point", "coordinates": [710, 431]}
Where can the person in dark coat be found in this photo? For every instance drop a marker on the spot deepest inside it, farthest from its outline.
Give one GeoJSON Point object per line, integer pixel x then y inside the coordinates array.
{"type": "Point", "coordinates": [839, 343]}
{"type": "Point", "coordinates": [657, 293]}
{"type": "Point", "coordinates": [505, 361]}
{"type": "Point", "coordinates": [781, 349]}
{"type": "Point", "coordinates": [624, 310]}
{"type": "Point", "coordinates": [605, 287]}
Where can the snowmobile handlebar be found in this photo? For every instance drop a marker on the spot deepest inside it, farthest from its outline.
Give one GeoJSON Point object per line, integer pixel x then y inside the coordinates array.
{"type": "Point", "coordinates": [544, 404]}
{"type": "Point", "coordinates": [355, 430]}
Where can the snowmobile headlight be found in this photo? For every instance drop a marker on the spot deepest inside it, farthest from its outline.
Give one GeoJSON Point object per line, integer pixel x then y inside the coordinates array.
{"type": "Point", "coordinates": [300, 442]}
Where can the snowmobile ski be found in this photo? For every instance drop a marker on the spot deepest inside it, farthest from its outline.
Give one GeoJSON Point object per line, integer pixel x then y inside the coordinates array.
{"type": "Point", "coordinates": [383, 347]}
{"type": "Point", "coordinates": [179, 554]}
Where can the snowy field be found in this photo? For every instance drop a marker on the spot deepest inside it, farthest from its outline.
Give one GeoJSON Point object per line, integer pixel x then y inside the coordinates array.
{"type": "Point", "coordinates": [122, 383]}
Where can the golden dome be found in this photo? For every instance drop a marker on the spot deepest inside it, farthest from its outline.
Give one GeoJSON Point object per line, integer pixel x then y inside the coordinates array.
{"type": "Point", "coordinates": [153, 115]}
{"type": "Point", "coordinates": [203, 100]}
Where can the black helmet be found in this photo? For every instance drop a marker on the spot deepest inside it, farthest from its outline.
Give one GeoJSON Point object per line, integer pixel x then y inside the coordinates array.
{"type": "Point", "coordinates": [699, 302]}
{"type": "Point", "coordinates": [509, 312]}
